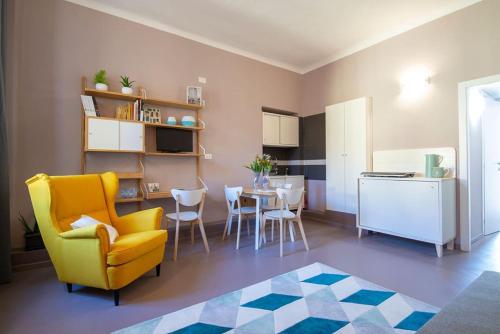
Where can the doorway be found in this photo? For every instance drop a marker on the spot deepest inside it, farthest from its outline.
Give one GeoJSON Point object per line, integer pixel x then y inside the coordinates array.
{"type": "Point", "coordinates": [479, 174]}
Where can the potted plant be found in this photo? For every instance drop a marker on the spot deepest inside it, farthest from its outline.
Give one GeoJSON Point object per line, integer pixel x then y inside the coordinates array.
{"type": "Point", "coordinates": [126, 84]}
{"type": "Point", "coordinates": [256, 167]}
{"type": "Point", "coordinates": [32, 237]}
{"type": "Point", "coordinates": [100, 80]}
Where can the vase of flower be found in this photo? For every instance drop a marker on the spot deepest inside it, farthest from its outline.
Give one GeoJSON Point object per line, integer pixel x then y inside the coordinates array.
{"type": "Point", "coordinates": [265, 181]}
{"type": "Point", "coordinates": [256, 168]}
{"type": "Point", "coordinates": [256, 180]}
{"type": "Point", "coordinates": [266, 165]}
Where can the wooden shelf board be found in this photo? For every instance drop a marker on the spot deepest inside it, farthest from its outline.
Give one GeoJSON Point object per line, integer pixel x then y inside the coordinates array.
{"type": "Point", "coordinates": [129, 175]}
{"type": "Point", "coordinates": [174, 154]}
{"type": "Point", "coordinates": [129, 200]}
{"type": "Point", "coordinates": [158, 195]}
{"type": "Point", "coordinates": [162, 125]}
{"type": "Point", "coordinates": [113, 151]}
{"type": "Point", "coordinates": [172, 104]}
{"type": "Point", "coordinates": [110, 95]}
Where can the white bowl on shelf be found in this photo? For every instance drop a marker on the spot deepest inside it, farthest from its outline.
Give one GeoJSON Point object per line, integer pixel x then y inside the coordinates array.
{"type": "Point", "coordinates": [188, 121]}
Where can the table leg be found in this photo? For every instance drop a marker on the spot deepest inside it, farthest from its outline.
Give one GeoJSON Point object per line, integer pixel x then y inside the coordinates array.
{"type": "Point", "coordinates": [257, 223]}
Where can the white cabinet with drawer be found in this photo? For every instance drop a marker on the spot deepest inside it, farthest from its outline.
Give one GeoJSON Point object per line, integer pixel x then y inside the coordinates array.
{"type": "Point", "coordinates": [109, 135]}
{"type": "Point", "coordinates": [416, 208]}
{"type": "Point", "coordinates": [280, 130]}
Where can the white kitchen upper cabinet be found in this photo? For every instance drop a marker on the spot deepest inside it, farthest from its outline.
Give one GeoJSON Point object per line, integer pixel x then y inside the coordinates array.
{"type": "Point", "coordinates": [103, 134]}
{"type": "Point", "coordinates": [131, 136]}
{"type": "Point", "coordinates": [271, 129]}
{"type": "Point", "coordinates": [348, 152]}
{"type": "Point", "coordinates": [289, 131]}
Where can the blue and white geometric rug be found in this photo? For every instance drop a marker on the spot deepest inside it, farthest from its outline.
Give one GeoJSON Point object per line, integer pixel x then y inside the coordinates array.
{"type": "Point", "coordinates": [314, 299]}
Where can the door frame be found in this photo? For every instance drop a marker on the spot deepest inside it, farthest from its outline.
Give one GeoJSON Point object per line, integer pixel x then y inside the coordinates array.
{"type": "Point", "coordinates": [463, 156]}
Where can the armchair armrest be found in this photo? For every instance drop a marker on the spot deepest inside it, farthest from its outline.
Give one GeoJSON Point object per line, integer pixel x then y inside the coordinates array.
{"type": "Point", "coordinates": [97, 231]}
{"type": "Point", "coordinates": [81, 255]}
{"type": "Point", "coordinates": [140, 221]}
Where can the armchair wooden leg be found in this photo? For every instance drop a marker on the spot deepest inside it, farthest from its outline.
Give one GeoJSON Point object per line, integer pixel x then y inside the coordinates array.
{"type": "Point", "coordinates": [158, 269]}
{"type": "Point", "coordinates": [116, 296]}
{"type": "Point", "coordinates": [69, 287]}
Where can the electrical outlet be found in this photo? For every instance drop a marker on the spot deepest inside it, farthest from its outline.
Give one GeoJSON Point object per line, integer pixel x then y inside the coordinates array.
{"type": "Point", "coordinates": [208, 156]}
{"type": "Point", "coordinates": [202, 80]}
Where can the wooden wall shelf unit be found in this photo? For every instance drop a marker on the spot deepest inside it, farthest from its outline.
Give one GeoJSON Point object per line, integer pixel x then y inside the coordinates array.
{"type": "Point", "coordinates": [139, 175]}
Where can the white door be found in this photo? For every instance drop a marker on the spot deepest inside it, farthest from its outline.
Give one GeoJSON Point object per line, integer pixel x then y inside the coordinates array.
{"type": "Point", "coordinates": [491, 178]}
{"type": "Point", "coordinates": [289, 130]}
{"type": "Point", "coordinates": [102, 134]}
{"type": "Point", "coordinates": [131, 136]}
{"type": "Point", "coordinates": [271, 129]}
{"type": "Point", "coordinates": [335, 157]}
{"type": "Point", "coordinates": [355, 150]}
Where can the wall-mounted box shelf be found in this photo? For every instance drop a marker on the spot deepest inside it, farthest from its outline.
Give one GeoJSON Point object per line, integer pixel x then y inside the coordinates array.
{"type": "Point", "coordinates": [162, 125]}
{"type": "Point", "coordinates": [110, 95]}
{"type": "Point", "coordinates": [172, 104]}
{"type": "Point", "coordinates": [189, 154]}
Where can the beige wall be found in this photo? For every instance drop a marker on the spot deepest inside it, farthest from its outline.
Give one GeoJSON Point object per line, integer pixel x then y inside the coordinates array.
{"type": "Point", "coordinates": [53, 43]}
{"type": "Point", "coordinates": [455, 48]}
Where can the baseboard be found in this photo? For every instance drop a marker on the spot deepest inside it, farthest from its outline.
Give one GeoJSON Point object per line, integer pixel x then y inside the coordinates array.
{"type": "Point", "coordinates": [24, 260]}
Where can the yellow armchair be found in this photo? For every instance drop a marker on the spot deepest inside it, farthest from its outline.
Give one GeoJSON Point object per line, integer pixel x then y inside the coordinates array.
{"type": "Point", "coordinates": [85, 256]}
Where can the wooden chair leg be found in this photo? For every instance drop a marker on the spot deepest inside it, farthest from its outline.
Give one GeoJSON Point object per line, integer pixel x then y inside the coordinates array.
{"type": "Point", "coordinates": [203, 235]}
{"type": "Point", "coordinates": [281, 237]}
{"type": "Point", "coordinates": [158, 270]}
{"type": "Point", "coordinates": [116, 297]}
{"type": "Point", "coordinates": [238, 232]}
{"type": "Point", "coordinates": [229, 216]}
{"type": "Point", "coordinates": [302, 233]}
{"type": "Point", "coordinates": [69, 287]}
{"type": "Point", "coordinates": [176, 242]}
{"type": "Point", "coordinates": [192, 233]}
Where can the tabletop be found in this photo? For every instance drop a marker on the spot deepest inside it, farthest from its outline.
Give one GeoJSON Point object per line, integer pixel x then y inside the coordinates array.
{"type": "Point", "coordinates": [249, 191]}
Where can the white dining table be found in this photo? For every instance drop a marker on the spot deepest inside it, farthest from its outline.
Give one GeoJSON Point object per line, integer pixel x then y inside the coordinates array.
{"type": "Point", "coordinates": [258, 195]}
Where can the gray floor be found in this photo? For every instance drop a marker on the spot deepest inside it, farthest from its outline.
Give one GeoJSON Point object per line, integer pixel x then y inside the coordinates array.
{"type": "Point", "coordinates": [36, 302]}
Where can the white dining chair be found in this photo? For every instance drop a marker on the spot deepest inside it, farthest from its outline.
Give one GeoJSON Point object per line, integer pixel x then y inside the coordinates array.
{"type": "Point", "coordinates": [188, 198]}
{"type": "Point", "coordinates": [272, 204]}
{"type": "Point", "coordinates": [234, 208]}
{"type": "Point", "coordinates": [287, 198]}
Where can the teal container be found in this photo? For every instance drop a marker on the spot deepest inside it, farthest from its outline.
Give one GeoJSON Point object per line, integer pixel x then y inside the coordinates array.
{"type": "Point", "coordinates": [431, 161]}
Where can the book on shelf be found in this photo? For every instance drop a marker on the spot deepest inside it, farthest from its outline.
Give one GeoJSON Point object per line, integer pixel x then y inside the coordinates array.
{"type": "Point", "coordinates": [89, 105]}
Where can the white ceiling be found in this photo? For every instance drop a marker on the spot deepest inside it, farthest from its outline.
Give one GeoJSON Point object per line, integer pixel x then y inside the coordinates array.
{"type": "Point", "coordinates": [299, 35]}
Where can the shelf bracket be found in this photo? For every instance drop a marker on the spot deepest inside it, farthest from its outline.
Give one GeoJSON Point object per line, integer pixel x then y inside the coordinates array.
{"type": "Point", "coordinates": [206, 155]}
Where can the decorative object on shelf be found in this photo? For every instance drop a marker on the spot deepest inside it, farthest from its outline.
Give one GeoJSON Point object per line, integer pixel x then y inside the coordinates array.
{"type": "Point", "coordinates": [143, 93]}
{"type": "Point", "coordinates": [152, 115]}
{"type": "Point", "coordinates": [126, 84]}
{"type": "Point", "coordinates": [439, 172]}
{"type": "Point", "coordinates": [193, 95]}
{"type": "Point", "coordinates": [171, 120]}
{"type": "Point", "coordinates": [32, 237]}
{"type": "Point", "coordinates": [188, 121]}
{"type": "Point", "coordinates": [153, 187]}
{"type": "Point", "coordinates": [128, 192]}
{"type": "Point", "coordinates": [88, 105]}
{"type": "Point", "coordinates": [265, 162]}
{"type": "Point", "coordinates": [100, 80]}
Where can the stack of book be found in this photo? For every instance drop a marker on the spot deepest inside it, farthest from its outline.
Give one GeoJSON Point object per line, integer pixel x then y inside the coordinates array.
{"type": "Point", "coordinates": [130, 111]}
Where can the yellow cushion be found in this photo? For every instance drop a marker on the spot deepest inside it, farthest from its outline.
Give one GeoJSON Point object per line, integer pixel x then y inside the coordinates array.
{"type": "Point", "coordinates": [134, 245]}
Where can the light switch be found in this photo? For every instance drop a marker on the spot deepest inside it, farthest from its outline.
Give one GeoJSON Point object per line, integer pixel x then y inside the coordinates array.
{"type": "Point", "coordinates": [202, 80]}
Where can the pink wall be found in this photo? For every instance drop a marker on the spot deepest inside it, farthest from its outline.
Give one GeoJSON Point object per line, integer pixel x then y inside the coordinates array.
{"type": "Point", "coordinates": [458, 47]}
{"type": "Point", "coordinates": [53, 43]}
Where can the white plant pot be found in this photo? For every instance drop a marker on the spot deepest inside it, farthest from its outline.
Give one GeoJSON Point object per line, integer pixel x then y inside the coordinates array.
{"type": "Point", "coordinates": [127, 90]}
{"type": "Point", "coordinates": [101, 86]}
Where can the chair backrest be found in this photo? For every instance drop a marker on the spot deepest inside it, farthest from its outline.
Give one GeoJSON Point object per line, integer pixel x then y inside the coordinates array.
{"type": "Point", "coordinates": [232, 196]}
{"type": "Point", "coordinates": [290, 196]}
{"type": "Point", "coordinates": [188, 197]}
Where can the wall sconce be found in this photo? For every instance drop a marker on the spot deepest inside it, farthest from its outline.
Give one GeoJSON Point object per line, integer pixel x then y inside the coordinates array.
{"type": "Point", "coordinates": [415, 82]}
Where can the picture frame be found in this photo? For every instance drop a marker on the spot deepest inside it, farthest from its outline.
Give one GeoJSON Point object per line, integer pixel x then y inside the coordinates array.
{"type": "Point", "coordinates": [153, 187]}
{"type": "Point", "coordinates": [152, 115]}
{"type": "Point", "coordinates": [193, 95]}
